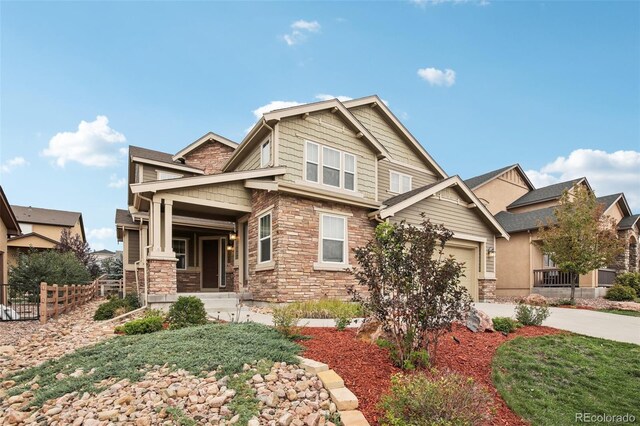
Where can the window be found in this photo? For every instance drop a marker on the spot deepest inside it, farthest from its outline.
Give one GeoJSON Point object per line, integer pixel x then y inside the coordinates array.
{"type": "Point", "coordinates": [399, 183]}
{"type": "Point", "coordinates": [26, 228]}
{"type": "Point", "coordinates": [180, 249]}
{"type": "Point", "coordinates": [265, 153]}
{"type": "Point", "coordinates": [333, 233]}
{"type": "Point", "coordinates": [547, 262]}
{"type": "Point", "coordinates": [338, 168]}
{"type": "Point", "coordinates": [168, 175]}
{"type": "Point", "coordinates": [264, 238]}
{"type": "Point", "coordinates": [312, 162]}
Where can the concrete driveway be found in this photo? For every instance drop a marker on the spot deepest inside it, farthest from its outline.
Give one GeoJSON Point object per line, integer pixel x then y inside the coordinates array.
{"type": "Point", "coordinates": [621, 328]}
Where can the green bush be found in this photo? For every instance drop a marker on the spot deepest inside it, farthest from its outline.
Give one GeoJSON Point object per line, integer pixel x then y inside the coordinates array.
{"type": "Point", "coordinates": [621, 293]}
{"type": "Point", "coordinates": [115, 307]}
{"type": "Point", "coordinates": [566, 302]}
{"type": "Point", "coordinates": [326, 308]}
{"type": "Point", "coordinates": [145, 325]}
{"type": "Point", "coordinates": [531, 315]}
{"type": "Point", "coordinates": [51, 267]}
{"type": "Point", "coordinates": [434, 400]}
{"type": "Point", "coordinates": [343, 316]}
{"type": "Point", "coordinates": [285, 320]}
{"type": "Point", "coordinates": [505, 324]}
{"type": "Point", "coordinates": [629, 279]}
{"type": "Point", "coordinates": [186, 312]}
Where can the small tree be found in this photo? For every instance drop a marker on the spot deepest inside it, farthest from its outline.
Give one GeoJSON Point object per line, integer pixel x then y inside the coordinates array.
{"type": "Point", "coordinates": [579, 239]}
{"type": "Point", "coordinates": [112, 266]}
{"type": "Point", "coordinates": [413, 289]}
{"type": "Point", "coordinates": [80, 248]}
{"type": "Point", "coordinates": [49, 266]}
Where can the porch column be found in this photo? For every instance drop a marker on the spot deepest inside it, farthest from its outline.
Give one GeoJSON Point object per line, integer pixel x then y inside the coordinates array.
{"type": "Point", "coordinates": [155, 224]}
{"type": "Point", "coordinates": [168, 225]}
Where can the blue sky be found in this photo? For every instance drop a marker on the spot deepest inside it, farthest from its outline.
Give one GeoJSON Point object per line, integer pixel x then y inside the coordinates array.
{"type": "Point", "coordinates": [554, 86]}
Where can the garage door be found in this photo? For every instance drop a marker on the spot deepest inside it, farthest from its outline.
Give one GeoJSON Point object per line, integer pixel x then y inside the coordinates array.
{"type": "Point", "coordinates": [468, 256]}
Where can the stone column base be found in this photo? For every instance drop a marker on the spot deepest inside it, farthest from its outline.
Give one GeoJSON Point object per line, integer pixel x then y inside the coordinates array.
{"type": "Point", "coordinates": [162, 276]}
{"type": "Point", "coordinates": [487, 290]}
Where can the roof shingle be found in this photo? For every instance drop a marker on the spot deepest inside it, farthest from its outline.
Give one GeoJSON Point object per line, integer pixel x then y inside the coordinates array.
{"type": "Point", "coordinates": [476, 181]}
{"type": "Point", "coordinates": [46, 216]}
{"type": "Point", "coordinates": [123, 217]}
{"type": "Point", "coordinates": [551, 192]}
{"type": "Point", "coordinates": [516, 222]}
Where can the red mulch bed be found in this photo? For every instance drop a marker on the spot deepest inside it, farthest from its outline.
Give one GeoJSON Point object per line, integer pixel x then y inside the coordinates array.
{"type": "Point", "coordinates": [367, 370]}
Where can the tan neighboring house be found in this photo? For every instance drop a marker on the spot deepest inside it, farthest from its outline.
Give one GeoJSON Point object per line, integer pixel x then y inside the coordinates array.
{"type": "Point", "coordinates": [277, 216]}
{"type": "Point", "coordinates": [41, 229]}
{"type": "Point", "coordinates": [9, 228]}
{"type": "Point", "coordinates": [521, 268]}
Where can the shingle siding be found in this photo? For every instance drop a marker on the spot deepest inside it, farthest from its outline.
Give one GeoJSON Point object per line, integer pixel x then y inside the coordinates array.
{"type": "Point", "coordinates": [232, 192]}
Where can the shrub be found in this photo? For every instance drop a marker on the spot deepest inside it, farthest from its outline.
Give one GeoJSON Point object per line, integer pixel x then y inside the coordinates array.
{"type": "Point", "coordinates": [434, 399]}
{"type": "Point", "coordinates": [285, 320]}
{"type": "Point", "coordinates": [621, 293]}
{"type": "Point", "coordinates": [531, 315]}
{"type": "Point", "coordinates": [343, 317]}
{"type": "Point", "coordinates": [186, 312]}
{"type": "Point", "coordinates": [566, 302]}
{"type": "Point", "coordinates": [630, 279]}
{"type": "Point", "coordinates": [51, 267]}
{"type": "Point", "coordinates": [326, 308]}
{"type": "Point", "coordinates": [413, 288]}
{"type": "Point", "coordinates": [505, 324]}
{"type": "Point", "coordinates": [147, 324]}
{"type": "Point", "coordinates": [115, 307]}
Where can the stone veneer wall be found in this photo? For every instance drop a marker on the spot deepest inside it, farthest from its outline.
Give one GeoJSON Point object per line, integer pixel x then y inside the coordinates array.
{"type": "Point", "coordinates": [295, 249]}
{"type": "Point", "coordinates": [486, 290]}
{"type": "Point", "coordinates": [188, 282]}
{"type": "Point", "coordinates": [210, 157]}
{"type": "Point", "coordinates": [162, 276]}
{"type": "Point", "coordinates": [130, 281]}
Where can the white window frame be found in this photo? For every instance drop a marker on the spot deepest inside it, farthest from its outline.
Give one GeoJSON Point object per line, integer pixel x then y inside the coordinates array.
{"type": "Point", "coordinates": [186, 252]}
{"type": "Point", "coordinates": [260, 261]}
{"type": "Point", "coordinates": [341, 169]}
{"type": "Point", "coordinates": [345, 240]}
{"type": "Point", "coordinates": [167, 175]}
{"type": "Point", "coordinates": [266, 142]}
{"type": "Point", "coordinates": [400, 178]}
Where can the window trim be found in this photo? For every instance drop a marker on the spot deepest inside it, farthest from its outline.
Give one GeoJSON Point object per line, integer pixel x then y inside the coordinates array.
{"type": "Point", "coordinates": [321, 264]}
{"type": "Point", "coordinates": [175, 175]}
{"type": "Point", "coordinates": [266, 141]}
{"type": "Point", "coordinates": [341, 169]}
{"type": "Point", "coordinates": [306, 160]}
{"type": "Point", "coordinates": [344, 170]}
{"type": "Point", "coordinates": [259, 261]}
{"type": "Point", "coordinates": [400, 176]}
{"type": "Point", "coordinates": [186, 253]}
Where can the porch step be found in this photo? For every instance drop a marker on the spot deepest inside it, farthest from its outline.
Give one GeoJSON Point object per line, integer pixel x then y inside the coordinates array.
{"type": "Point", "coordinates": [212, 295]}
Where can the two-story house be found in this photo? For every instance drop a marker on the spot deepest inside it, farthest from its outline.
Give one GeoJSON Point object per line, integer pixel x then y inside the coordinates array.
{"type": "Point", "coordinates": [521, 209]}
{"type": "Point", "coordinates": [278, 215]}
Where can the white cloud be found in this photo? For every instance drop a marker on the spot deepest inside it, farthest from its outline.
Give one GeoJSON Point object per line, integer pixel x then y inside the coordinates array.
{"type": "Point", "coordinates": [437, 77]}
{"type": "Point", "coordinates": [13, 163]}
{"type": "Point", "coordinates": [326, 97]}
{"type": "Point", "coordinates": [273, 105]}
{"type": "Point", "coordinates": [300, 30]}
{"type": "Point", "coordinates": [93, 144]}
{"type": "Point", "coordinates": [114, 182]}
{"type": "Point", "coordinates": [608, 173]}
{"type": "Point", "coordinates": [101, 233]}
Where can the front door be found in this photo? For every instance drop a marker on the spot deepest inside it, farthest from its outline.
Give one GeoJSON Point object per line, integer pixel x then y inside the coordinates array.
{"type": "Point", "coordinates": [210, 264]}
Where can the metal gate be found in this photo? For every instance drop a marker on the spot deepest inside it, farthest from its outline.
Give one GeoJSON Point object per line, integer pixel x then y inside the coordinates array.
{"type": "Point", "coordinates": [19, 303]}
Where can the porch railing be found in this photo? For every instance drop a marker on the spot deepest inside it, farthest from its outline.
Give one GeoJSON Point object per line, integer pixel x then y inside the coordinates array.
{"type": "Point", "coordinates": [606, 277]}
{"type": "Point", "coordinates": [553, 277]}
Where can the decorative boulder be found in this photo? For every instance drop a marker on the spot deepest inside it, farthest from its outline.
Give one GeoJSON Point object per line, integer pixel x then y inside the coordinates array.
{"type": "Point", "coordinates": [478, 321]}
{"type": "Point", "coordinates": [370, 330]}
{"type": "Point", "coordinates": [534, 300]}
{"type": "Point", "coordinates": [624, 306]}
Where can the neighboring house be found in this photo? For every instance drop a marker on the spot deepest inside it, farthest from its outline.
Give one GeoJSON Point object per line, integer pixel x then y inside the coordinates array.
{"type": "Point", "coordinates": [521, 209]}
{"type": "Point", "coordinates": [104, 254]}
{"type": "Point", "coordinates": [279, 215]}
{"type": "Point", "coordinates": [41, 229]}
{"type": "Point", "coordinates": [9, 227]}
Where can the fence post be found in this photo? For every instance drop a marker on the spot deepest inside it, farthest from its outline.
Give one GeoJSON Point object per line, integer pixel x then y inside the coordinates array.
{"type": "Point", "coordinates": [43, 302]}
{"type": "Point", "coordinates": [55, 300]}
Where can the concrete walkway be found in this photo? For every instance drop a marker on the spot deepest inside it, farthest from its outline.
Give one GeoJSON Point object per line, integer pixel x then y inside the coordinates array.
{"type": "Point", "coordinates": [621, 328]}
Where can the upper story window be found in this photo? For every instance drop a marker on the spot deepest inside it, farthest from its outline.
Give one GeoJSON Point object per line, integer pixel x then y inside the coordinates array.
{"type": "Point", "coordinates": [162, 175]}
{"type": "Point", "coordinates": [265, 153]}
{"type": "Point", "coordinates": [180, 249]}
{"type": "Point", "coordinates": [26, 228]}
{"type": "Point", "coordinates": [399, 182]}
{"type": "Point", "coordinates": [264, 238]}
{"type": "Point", "coordinates": [329, 166]}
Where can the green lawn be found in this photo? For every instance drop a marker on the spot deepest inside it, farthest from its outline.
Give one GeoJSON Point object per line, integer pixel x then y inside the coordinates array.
{"type": "Point", "coordinates": [547, 380]}
{"type": "Point", "coordinates": [195, 349]}
{"type": "Point", "coordinates": [620, 312]}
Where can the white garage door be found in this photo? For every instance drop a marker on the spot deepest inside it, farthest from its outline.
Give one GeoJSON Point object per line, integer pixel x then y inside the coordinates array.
{"type": "Point", "coordinates": [470, 267]}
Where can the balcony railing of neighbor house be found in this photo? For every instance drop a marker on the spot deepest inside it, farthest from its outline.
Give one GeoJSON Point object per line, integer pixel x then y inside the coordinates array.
{"type": "Point", "coordinates": [606, 277]}
{"type": "Point", "coordinates": [553, 277]}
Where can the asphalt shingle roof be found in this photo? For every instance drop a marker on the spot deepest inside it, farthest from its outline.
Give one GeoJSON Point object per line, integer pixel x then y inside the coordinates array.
{"type": "Point", "coordinates": [479, 180]}
{"type": "Point", "coordinates": [551, 192]}
{"type": "Point", "coordinates": [123, 217]}
{"type": "Point", "coordinates": [150, 154]}
{"type": "Point", "coordinates": [607, 200]}
{"type": "Point", "coordinates": [45, 216]}
{"type": "Point", "coordinates": [406, 195]}
{"type": "Point", "coordinates": [628, 222]}
{"type": "Point", "coordinates": [516, 222]}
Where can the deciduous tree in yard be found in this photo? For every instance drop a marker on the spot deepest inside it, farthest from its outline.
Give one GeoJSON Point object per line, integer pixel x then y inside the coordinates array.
{"type": "Point", "coordinates": [80, 248]}
{"type": "Point", "coordinates": [579, 239]}
{"type": "Point", "coordinates": [413, 288]}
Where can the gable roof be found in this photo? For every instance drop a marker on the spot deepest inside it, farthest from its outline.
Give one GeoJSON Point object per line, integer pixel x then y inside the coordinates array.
{"type": "Point", "coordinates": [33, 234]}
{"type": "Point", "coordinates": [374, 100]}
{"type": "Point", "coordinates": [628, 222]}
{"type": "Point", "coordinates": [158, 158]}
{"type": "Point", "coordinates": [527, 221]}
{"type": "Point", "coordinates": [400, 202]}
{"type": "Point", "coordinates": [123, 217]}
{"type": "Point", "coordinates": [46, 216]}
{"type": "Point", "coordinates": [547, 193]}
{"type": "Point", "coordinates": [210, 136]}
{"type": "Point", "coordinates": [619, 198]}
{"type": "Point", "coordinates": [477, 181]}
{"type": "Point", "coordinates": [7, 215]}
